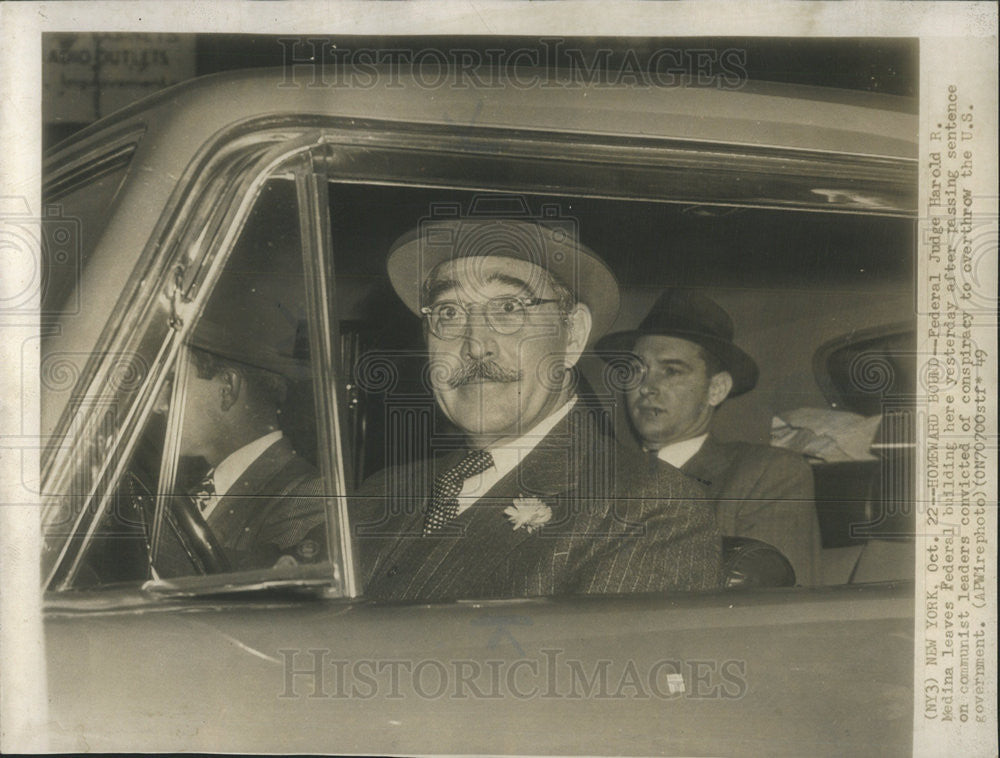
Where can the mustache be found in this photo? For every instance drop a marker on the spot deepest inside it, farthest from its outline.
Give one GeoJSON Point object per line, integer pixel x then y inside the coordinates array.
{"type": "Point", "coordinates": [483, 371]}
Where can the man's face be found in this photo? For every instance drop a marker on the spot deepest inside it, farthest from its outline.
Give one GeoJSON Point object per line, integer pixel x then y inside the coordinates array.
{"type": "Point", "coordinates": [495, 385]}
{"type": "Point", "coordinates": [676, 397]}
{"type": "Point", "coordinates": [202, 420]}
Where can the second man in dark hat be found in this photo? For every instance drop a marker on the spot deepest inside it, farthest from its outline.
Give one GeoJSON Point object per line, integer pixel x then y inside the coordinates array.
{"type": "Point", "coordinates": [686, 365]}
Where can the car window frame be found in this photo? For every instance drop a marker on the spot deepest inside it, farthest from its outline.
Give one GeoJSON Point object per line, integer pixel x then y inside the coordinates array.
{"type": "Point", "coordinates": [197, 235]}
{"type": "Point", "coordinates": [187, 266]}
{"type": "Point", "coordinates": [387, 149]}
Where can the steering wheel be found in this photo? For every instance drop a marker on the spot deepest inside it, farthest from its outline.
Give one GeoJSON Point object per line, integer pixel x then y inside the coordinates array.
{"type": "Point", "coordinates": [196, 537]}
{"type": "Point", "coordinates": [199, 543]}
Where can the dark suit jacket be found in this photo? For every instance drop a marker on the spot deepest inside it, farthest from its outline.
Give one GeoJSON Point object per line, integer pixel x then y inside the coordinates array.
{"type": "Point", "coordinates": [765, 493]}
{"type": "Point", "coordinates": [617, 525]}
{"type": "Point", "coordinates": [269, 511]}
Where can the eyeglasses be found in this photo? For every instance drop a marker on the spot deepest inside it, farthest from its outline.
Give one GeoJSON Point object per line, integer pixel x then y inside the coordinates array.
{"type": "Point", "coordinates": [505, 314]}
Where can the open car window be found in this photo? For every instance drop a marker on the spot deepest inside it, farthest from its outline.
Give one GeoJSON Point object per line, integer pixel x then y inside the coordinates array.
{"type": "Point", "coordinates": [297, 373]}
{"type": "Point", "coordinates": [793, 282]}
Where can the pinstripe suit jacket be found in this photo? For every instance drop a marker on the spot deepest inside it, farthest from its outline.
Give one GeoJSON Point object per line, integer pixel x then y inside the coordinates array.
{"type": "Point", "coordinates": [618, 525]}
{"type": "Point", "coordinates": [765, 493]}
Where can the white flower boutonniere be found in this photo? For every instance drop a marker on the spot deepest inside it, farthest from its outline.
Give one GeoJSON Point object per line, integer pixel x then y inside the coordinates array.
{"type": "Point", "coordinates": [528, 513]}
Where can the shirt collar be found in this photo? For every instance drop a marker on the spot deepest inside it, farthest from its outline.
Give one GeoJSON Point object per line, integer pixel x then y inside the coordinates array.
{"type": "Point", "coordinates": [679, 453]}
{"type": "Point", "coordinates": [508, 455]}
{"type": "Point", "coordinates": [232, 467]}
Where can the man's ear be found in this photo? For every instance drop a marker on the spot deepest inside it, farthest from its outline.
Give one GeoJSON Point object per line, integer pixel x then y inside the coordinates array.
{"type": "Point", "coordinates": [232, 386]}
{"type": "Point", "coordinates": [579, 322]}
{"type": "Point", "coordinates": [718, 387]}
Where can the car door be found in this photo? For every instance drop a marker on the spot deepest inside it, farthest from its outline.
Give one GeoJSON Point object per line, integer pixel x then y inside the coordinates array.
{"type": "Point", "coordinates": [131, 402]}
{"type": "Point", "coordinates": [256, 260]}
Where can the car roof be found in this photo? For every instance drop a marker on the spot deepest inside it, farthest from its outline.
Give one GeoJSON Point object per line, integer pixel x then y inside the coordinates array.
{"type": "Point", "coordinates": [763, 114]}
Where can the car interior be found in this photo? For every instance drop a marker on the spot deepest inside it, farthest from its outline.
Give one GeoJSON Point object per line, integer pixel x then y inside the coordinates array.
{"type": "Point", "coordinates": [822, 301]}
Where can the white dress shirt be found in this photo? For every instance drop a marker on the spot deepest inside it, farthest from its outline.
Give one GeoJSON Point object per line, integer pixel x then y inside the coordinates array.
{"type": "Point", "coordinates": [679, 453]}
{"type": "Point", "coordinates": [229, 471]}
{"type": "Point", "coordinates": [507, 456]}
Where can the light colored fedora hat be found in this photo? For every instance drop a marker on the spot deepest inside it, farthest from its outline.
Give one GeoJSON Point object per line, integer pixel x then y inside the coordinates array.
{"type": "Point", "coordinates": [553, 248]}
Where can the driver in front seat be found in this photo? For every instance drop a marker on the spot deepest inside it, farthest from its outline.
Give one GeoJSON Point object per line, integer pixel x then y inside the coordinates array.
{"type": "Point", "coordinates": [256, 492]}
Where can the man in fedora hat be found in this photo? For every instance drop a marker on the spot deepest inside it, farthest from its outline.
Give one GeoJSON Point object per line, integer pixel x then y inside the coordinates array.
{"type": "Point", "coordinates": [529, 498]}
{"type": "Point", "coordinates": [686, 365]}
{"type": "Point", "coordinates": [259, 498]}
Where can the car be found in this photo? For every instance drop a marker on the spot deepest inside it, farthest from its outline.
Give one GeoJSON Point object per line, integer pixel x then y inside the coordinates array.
{"type": "Point", "coordinates": [253, 211]}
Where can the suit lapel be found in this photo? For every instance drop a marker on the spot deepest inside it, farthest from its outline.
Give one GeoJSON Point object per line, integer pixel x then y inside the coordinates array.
{"type": "Point", "coordinates": [406, 531]}
{"type": "Point", "coordinates": [544, 474]}
{"type": "Point", "coordinates": [249, 492]}
{"type": "Point", "coordinates": [708, 463]}
{"type": "Point", "coordinates": [485, 536]}
{"type": "Point", "coordinates": [413, 523]}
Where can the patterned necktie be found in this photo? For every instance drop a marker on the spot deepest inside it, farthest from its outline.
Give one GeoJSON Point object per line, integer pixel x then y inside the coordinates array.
{"type": "Point", "coordinates": [204, 494]}
{"type": "Point", "coordinates": [444, 496]}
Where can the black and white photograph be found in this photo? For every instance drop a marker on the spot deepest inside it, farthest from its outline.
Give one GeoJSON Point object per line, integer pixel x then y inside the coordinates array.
{"type": "Point", "coordinates": [489, 389]}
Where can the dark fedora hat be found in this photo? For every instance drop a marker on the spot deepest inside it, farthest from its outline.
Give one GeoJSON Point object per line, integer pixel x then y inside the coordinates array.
{"type": "Point", "coordinates": [552, 247]}
{"type": "Point", "coordinates": [691, 316]}
{"type": "Point", "coordinates": [258, 318]}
